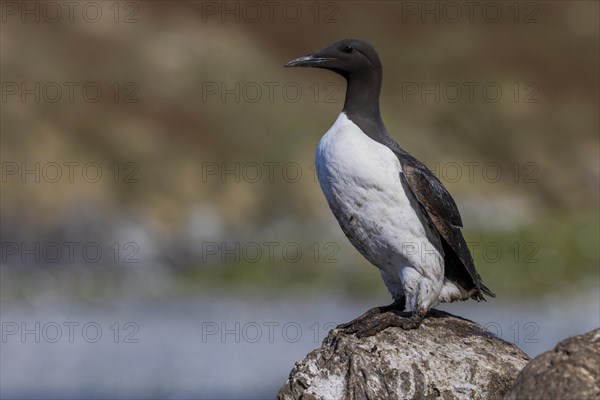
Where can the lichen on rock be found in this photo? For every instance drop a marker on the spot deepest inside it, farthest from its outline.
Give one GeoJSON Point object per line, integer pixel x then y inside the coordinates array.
{"type": "Point", "coordinates": [446, 357]}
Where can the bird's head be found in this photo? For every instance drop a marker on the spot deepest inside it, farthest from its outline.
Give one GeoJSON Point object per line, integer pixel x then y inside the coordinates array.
{"type": "Point", "coordinates": [348, 57]}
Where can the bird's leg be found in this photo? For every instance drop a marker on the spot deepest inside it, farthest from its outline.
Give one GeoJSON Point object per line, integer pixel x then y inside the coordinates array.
{"type": "Point", "coordinates": [398, 305]}
{"type": "Point", "coordinates": [386, 320]}
{"type": "Point", "coordinates": [395, 318]}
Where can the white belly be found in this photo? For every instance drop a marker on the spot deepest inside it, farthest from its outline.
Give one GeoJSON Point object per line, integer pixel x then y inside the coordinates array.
{"type": "Point", "coordinates": [361, 181]}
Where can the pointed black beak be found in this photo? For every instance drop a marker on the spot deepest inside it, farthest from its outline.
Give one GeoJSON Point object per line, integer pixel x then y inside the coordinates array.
{"type": "Point", "coordinates": [311, 60]}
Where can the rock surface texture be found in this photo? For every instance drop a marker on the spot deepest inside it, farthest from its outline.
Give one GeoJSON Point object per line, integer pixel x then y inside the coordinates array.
{"type": "Point", "coordinates": [570, 371]}
{"type": "Point", "coordinates": [446, 357]}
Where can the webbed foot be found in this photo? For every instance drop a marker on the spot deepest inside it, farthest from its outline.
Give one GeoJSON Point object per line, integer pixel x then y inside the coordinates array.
{"type": "Point", "coordinates": [372, 315]}
{"type": "Point", "coordinates": [384, 321]}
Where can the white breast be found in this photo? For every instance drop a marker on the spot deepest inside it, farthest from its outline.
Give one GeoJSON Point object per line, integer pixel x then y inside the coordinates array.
{"type": "Point", "coordinates": [361, 181]}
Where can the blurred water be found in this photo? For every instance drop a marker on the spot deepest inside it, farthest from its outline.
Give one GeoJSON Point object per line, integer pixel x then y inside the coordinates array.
{"type": "Point", "coordinates": [218, 347]}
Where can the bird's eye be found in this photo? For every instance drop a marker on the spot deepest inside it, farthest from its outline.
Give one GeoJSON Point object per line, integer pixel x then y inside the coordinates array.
{"type": "Point", "coordinates": [348, 49]}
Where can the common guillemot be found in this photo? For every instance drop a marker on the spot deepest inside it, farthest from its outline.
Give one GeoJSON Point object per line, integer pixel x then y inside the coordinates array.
{"type": "Point", "coordinates": [391, 207]}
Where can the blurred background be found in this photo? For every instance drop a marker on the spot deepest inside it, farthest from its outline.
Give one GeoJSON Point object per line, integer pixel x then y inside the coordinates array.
{"type": "Point", "coordinates": [162, 231]}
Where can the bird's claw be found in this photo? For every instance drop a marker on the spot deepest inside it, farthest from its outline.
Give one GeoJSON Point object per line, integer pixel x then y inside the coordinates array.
{"type": "Point", "coordinates": [360, 320]}
{"type": "Point", "coordinates": [369, 327]}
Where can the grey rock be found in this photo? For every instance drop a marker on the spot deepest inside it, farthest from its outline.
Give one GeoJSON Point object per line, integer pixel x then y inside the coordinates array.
{"type": "Point", "coordinates": [447, 357]}
{"type": "Point", "coordinates": [570, 371]}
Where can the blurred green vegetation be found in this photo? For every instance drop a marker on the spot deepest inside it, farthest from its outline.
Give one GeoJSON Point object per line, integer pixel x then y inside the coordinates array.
{"type": "Point", "coordinates": [532, 260]}
{"type": "Point", "coordinates": [173, 133]}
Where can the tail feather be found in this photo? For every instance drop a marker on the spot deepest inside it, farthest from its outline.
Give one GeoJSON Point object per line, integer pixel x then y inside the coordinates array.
{"type": "Point", "coordinates": [486, 290]}
{"type": "Point", "coordinates": [478, 293]}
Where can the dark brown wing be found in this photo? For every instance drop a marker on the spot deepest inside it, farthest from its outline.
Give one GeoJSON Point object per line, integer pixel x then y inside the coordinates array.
{"type": "Point", "coordinates": [444, 214]}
